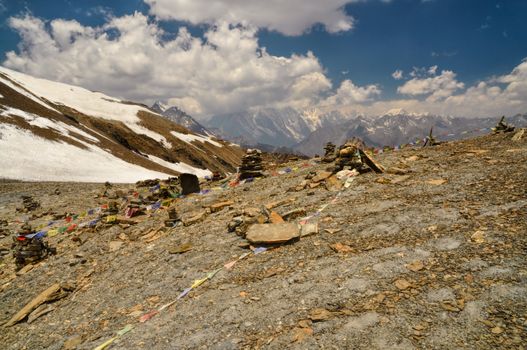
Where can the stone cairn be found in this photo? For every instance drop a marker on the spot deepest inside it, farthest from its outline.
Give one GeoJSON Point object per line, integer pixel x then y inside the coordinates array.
{"type": "Point", "coordinates": [28, 248]}
{"type": "Point", "coordinates": [173, 218]}
{"type": "Point", "coordinates": [348, 157]}
{"type": "Point", "coordinates": [112, 209]}
{"type": "Point", "coordinates": [430, 139]}
{"type": "Point", "coordinates": [28, 204]}
{"type": "Point", "coordinates": [329, 155]}
{"type": "Point", "coordinates": [502, 127]}
{"type": "Point", "coordinates": [251, 164]}
{"type": "Point", "coordinates": [352, 156]}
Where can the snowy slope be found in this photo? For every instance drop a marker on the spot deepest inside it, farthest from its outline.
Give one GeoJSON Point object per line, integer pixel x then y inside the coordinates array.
{"type": "Point", "coordinates": [51, 131]}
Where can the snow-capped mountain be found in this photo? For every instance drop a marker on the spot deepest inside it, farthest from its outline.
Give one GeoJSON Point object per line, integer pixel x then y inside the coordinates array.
{"type": "Point", "coordinates": [283, 127]}
{"type": "Point", "coordinates": [51, 131]}
{"type": "Point", "coordinates": [276, 127]}
{"type": "Point", "coordinates": [307, 131]}
{"type": "Point", "coordinates": [397, 127]}
{"type": "Point", "coordinates": [178, 116]}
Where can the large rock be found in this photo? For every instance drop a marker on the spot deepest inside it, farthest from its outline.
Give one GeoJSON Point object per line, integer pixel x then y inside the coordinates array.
{"type": "Point", "coordinates": [272, 233]}
{"type": "Point", "coordinates": [189, 183]}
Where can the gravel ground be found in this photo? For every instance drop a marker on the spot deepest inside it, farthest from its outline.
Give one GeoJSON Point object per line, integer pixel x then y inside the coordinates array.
{"type": "Point", "coordinates": [433, 259]}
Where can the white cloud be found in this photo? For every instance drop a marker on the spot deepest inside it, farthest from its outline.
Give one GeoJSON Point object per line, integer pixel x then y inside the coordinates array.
{"type": "Point", "coordinates": [224, 72]}
{"type": "Point", "coordinates": [292, 17]}
{"type": "Point", "coordinates": [398, 74]}
{"type": "Point", "coordinates": [502, 95]}
{"type": "Point", "coordinates": [349, 93]}
{"type": "Point", "coordinates": [436, 86]}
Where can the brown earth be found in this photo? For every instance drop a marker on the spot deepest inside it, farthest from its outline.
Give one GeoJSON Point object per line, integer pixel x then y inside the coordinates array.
{"type": "Point", "coordinates": [433, 259]}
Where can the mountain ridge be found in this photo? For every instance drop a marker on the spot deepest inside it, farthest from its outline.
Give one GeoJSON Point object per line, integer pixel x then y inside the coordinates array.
{"type": "Point", "coordinates": [53, 131]}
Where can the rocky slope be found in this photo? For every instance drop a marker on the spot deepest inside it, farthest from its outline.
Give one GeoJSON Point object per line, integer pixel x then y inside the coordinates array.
{"type": "Point", "coordinates": [179, 117]}
{"type": "Point", "coordinates": [433, 259]}
{"type": "Point", "coordinates": [51, 131]}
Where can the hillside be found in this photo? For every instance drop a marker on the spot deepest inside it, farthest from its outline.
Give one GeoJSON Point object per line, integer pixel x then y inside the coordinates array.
{"type": "Point", "coordinates": [434, 258]}
{"type": "Point", "coordinates": [51, 131]}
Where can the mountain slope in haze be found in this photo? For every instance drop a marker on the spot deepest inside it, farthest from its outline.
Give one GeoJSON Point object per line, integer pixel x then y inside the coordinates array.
{"type": "Point", "coordinates": [277, 127]}
{"type": "Point", "coordinates": [51, 131]}
{"type": "Point", "coordinates": [398, 127]}
{"type": "Point", "coordinates": [307, 131]}
{"type": "Point", "coordinates": [178, 116]}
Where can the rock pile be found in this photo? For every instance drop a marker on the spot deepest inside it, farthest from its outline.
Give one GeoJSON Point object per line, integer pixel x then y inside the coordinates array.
{"type": "Point", "coordinates": [329, 155]}
{"type": "Point", "coordinates": [502, 127]}
{"type": "Point", "coordinates": [173, 218]}
{"type": "Point", "coordinates": [29, 204]}
{"type": "Point", "coordinates": [430, 139]}
{"type": "Point", "coordinates": [251, 164]}
{"type": "Point", "coordinates": [29, 248]}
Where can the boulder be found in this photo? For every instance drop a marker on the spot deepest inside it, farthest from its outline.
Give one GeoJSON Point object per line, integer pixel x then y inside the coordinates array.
{"type": "Point", "coordinates": [189, 183]}
{"type": "Point", "coordinates": [272, 233]}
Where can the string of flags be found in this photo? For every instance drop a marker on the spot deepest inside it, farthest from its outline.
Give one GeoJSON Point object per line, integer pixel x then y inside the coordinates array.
{"type": "Point", "coordinates": [228, 266]}
{"type": "Point", "coordinates": [147, 316]}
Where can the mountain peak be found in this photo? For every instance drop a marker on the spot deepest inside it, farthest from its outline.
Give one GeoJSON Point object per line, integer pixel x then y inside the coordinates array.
{"type": "Point", "coordinates": [159, 107]}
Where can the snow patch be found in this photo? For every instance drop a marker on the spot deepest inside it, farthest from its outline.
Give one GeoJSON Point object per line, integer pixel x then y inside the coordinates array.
{"type": "Point", "coordinates": [60, 161]}
{"type": "Point", "coordinates": [91, 103]}
{"type": "Point", "coordinates": [188, 138]}
{"type": "Point", "coordinates": [23, 91]}
{"type": "Point", "coordinates": [181, 167]}
{"type": "Point", "coordinates": [46, 123]}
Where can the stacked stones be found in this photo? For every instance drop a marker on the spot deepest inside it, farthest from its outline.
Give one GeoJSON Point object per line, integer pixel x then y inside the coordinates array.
{"type": "Point", "coordinates": [173, 218]}
{"type": "Point", "coordinates": [112, 209]}
{"type": "Point", "coordinates": [329, 156]}
{"type": "Point", "coordinates": [502, 127]}
{"type": "Point", "coordinates": [348, 157]}
{"type": "Point", "coordinates": [430, 139]}
{"type": "Point", "coordinates": [3, 229]}
{"type": "Point", "coordinates": [27, 248]}
{"type": "Point", "coordinates": [29, 204]}
{"type": "Point", "coordinates": [251, 164]}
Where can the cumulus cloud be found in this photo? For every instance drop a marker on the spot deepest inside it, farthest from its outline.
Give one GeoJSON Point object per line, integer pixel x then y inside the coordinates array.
{"type": "Point", "coordinates": [292, 17]}
{"type": "Point", "coordinates": [349, 94]}
{"type": "Point", "coordinates": [436, 86]}
{"type": "Point", "coordinates": [398, 74]}
{"type": "Point", "coordinates": [502, 95]}
{"type": "Point", "coordinates": [225, 71]}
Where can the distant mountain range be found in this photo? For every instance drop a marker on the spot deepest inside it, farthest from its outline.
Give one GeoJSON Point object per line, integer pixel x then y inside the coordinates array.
{"type": "Point", "coordinates": [307, 131]}
{"type": "Point", "coordinates": [51, 131]}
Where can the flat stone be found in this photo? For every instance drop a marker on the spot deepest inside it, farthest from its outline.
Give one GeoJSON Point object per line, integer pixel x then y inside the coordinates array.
{"type": "Point", "coordinates": [307, 229]}
{"type": "Point", "coordinates": [219, 206]}
{"type": "Point", "coordinates": [402, 284]}
{"type": "Point", "coordinates": [272, 233]}
{"type": "Point", "coordinates": [279, 203]}
{"type": "Point", "coordinates": [275, 218]}
{"type": "Point", "coordinates": [194, 219]}
{"type": "Point", "coordinates": [321, 176]}
{"type": "Point", "coordinates": [293, 214]}
{"type": "Point", "coordinates": [115, 245]}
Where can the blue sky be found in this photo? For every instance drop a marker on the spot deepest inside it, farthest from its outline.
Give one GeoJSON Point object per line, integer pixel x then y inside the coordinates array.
{"type": "Point", "coordinates": [477, 40]}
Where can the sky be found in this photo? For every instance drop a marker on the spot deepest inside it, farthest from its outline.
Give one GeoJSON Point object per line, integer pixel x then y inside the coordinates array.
{"type": "Point", "coordinates": [454, 57]}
